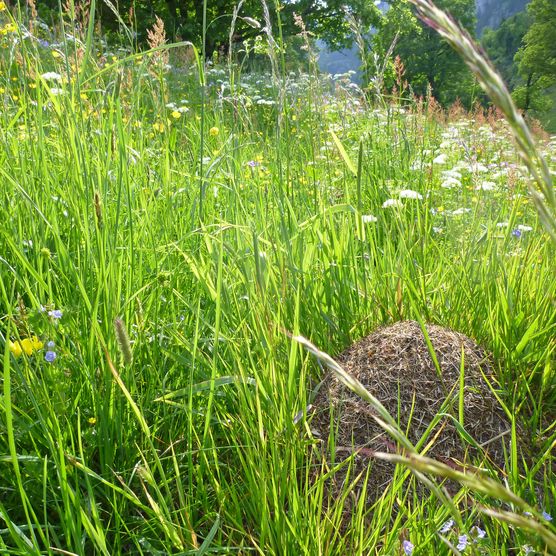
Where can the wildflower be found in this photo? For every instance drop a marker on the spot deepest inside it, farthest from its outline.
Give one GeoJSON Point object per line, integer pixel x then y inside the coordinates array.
{"type": "Point", "coordinates": [51, 76]}
{"type": "Point", "coordinates": [516, 233]}
{"type": "Point", "coordinates": [15, 348]}
{"type": "Point", "coordinates": [547, 516]}
{"type": "Point", "coordinates": [176, 115]}
{"type": "Point", "coordinates": [462, 543]}
{"type": "Point", "coordinates": [391, 203]}
{"type": "Point", "coordinates": [252, 163]}
{"type": "Point", "coordinates": [450, 183]}
{"type": "Point", "coordinates": [214, 131]}
{"type": "Point", "coordinates": [502, 224]}
{"type": "Point", "coordinates": [447, 526]}
{"type": "Point", "coordinates": [477, 533]}
{"type": "Point", "coordinates": [92, 421]}
{"type": "Point", "coordinates": [27, 346]}
{"type": "Point", "coordinates": [158, 126]}
{"type": "Point", "coordinates": [460, 211]}
{"type": "Point", "coordinates": [2, 6]}
{"type": "Point", "coordinates": [366, 218]}
{"type": "Point", "coordinates": [523, 228]}
{"type": "Point", "coordinates": [407, 547]}
{"type": "Point", "coordinates": [56, 314]}
{"type": "Point", "coordinates": [410, 194]}
{"type": "Point", "coordinates": [440, 159]}
{"type": "Point", "coordinates": [50, 356]}
{"type": "Point", "coordinates": [486, 186]}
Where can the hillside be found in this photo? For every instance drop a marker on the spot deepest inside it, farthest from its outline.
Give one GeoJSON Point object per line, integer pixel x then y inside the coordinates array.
{"type": "Point", "coordinates": [490, 13]}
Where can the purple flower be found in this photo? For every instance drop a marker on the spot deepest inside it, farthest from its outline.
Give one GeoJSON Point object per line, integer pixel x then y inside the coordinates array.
{"type": "Point", "coordinates": [252, 163]}
{"type": "Point", "coordinates": [55, 314]}
{"type": "Point", "coordinates": [44, 43]}
{"type": "Point", "coordinates": [547, 516]}
{"type": "Point", "coordinates": [516, 233]}
{"type": "Point", "coordinates": [462, 543]}
{"type": "Point", "coordinates": [477, 533]}
{"type": "Point", "coordinates": [447, 526]}
{"type": "Point", "coordinates": [407, 547]}
{"type": "Point", "coordinates": [50, 345]}
{"type": "Point", "coordinates": [50, 356]}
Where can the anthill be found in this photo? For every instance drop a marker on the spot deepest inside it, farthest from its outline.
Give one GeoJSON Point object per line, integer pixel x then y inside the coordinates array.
{"type": "Point", "coordinates": [395, 365]}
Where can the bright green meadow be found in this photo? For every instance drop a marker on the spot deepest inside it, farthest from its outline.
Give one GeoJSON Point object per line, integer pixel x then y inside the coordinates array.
{"type": "Point", "coordinates": [166, 231]}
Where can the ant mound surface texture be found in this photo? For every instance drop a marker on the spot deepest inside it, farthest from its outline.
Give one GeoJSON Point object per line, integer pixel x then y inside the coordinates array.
{"type": "Point", "coordinates": [395, 365]}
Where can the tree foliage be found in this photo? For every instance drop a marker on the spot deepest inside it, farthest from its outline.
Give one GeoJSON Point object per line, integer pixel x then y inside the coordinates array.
{"type": "Point", "coordinates": [427, 58]}
{"type": "Point", "coordinates": [184, 18]}
{"type": "Point", "coordinates": [503, 43]}
{"type": "Point", "coordinates": [536, 59]}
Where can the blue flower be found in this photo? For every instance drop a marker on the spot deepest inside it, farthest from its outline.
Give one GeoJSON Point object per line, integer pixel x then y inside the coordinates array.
{"type": "Point", "coordinates": [407, 547]}
{"type": "Point", "coordinates": [56, 314]}
{"type": "Point", "coordinates": [547, 516]}
{"type": "Point", "coordinates": [447, 526]}
{"type": "Point", "coordinates": [477, 533]}
{"type": "Point", "coordinates": [50, 356]}
{"type": "Point", "coordinates": [462, 543]}
{"type": "Point", "coordinates": [516, 233]}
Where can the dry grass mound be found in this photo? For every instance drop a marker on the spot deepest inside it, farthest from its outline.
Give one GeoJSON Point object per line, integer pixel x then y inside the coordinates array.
{"type": "Point", "coordinates": [395, 365]}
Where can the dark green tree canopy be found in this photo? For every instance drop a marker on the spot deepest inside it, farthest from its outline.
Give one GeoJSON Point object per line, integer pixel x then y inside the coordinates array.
{"type": "Point", "coordinates": [427, 58]}
{"type": "Point", "coordinates": [183, 19]}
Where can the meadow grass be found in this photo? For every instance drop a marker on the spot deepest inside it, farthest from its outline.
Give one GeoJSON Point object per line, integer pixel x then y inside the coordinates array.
{"type": "Point", "coordinates": [174, 232]}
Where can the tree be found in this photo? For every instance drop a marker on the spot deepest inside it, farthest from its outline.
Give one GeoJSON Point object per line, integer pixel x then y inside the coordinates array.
{"type": "Point", "coordinates": [325, 19]}
{"type": "Point", "coordinates": [427, 58]}
{"type": "Point", "coordinates": [536, 59]}
{"type": "Point", "coordinates": [503, 43]}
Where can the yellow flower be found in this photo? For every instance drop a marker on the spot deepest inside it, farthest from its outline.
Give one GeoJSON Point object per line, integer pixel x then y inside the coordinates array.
{"type": "Point", "coordinates": [176, 115]}
{"type": "Point", "coordinates": [92, 421]}
{"type": "Point", "coordinates": [36, 343]}
{"type": "Point", "coordinates": [158, 126]}
{"type": "Point", "coordinates": [214, 131]}
{"type": "Point", "coordinates": [15, 348]}
{"type": "Point", "coordinates": [56, 54]}
{"type": "Point", "coordinates": [2, 6]}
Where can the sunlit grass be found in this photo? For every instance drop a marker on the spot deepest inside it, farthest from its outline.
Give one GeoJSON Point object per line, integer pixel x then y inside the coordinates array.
{"type": "Point", "coordinates": [211, 235]}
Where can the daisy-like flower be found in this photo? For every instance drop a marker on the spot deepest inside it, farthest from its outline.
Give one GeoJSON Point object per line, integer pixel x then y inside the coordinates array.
{"type": "Point", "coordinates": [51, 76]}
{"type": "Point", "coordinates": [450, 183]}
{"type": "Point", "coordinates": [523, 228]}
{"type": "Point", "coordinates": [440, 159]}
{"type": "Point", "coordinates": [486, 186]}
{"type": "Point", "coordinates": [366, 218]}
{"type": "Point", "coordinates": [410, 194]}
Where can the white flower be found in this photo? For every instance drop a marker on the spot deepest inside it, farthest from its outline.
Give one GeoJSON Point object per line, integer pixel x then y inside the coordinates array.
{"type": "Point", "coordinates": [450, 183]}
{"type": "Point", "coordinates": [368, 218]}
{"type": "Point", "coordinates": [523, 228]}
{"type": "Point", "coordinates": [51, 76]}
{"type": "Point", "coordinates": [437, 230]}
{"type": "Point", "coordinates": [391, 203]}
{"type": "Point", "coordinates": [410, 194]}
{"type": "Point", "coordinates": [57, 91]}
{"type": "Point", "coordinates": [502, 224]}
{"type": "Point", "coordinates": [440, 159]}
{"type": "Point", "coordinates": [486, 186]}
{"type": "Point", "coordinates": [460, 211]}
